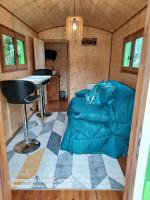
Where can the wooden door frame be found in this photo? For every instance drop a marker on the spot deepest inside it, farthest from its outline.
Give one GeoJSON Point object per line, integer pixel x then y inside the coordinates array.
{"type": "Point", "coordinates": [139, 110]}
{"type": "Point", "coordinates": [5, 191]}
{"type": "Point", "coordinates": [140, 101]}
{"type": "Point", "coordinates": [68, 59]}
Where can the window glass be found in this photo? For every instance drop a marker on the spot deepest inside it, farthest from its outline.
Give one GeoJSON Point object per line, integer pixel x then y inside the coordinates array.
{"type": "Point", "coordinates": [20, 52]}
{"type": "Point", "coordinates": [137, 52]}
{"type": "Point", "coordinates": [127, 54]}
{"type": "Point", "coordinates": [146, 191]}
{"type": "Point", "coordinates": [8, 49]}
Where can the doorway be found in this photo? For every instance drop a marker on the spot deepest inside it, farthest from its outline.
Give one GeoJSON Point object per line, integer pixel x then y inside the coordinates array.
{"type": "Point", "coordinates": [58, 89]}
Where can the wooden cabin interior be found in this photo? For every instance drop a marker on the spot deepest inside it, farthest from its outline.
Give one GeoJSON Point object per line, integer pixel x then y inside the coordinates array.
{"type": "Point", "coordinates": [65, 160]}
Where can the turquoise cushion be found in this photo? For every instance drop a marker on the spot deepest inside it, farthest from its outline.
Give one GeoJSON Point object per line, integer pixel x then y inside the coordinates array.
{"type": "Point", "coordinates": [107, 92]}
{"type": "Point", "coordinates": [102, 93]}
{"type": "Point", "coordinates": [82, 93]}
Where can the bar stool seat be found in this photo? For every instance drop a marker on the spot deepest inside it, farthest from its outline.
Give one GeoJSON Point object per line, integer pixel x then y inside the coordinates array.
{"type": "Point", "coordinates": [21, 92]}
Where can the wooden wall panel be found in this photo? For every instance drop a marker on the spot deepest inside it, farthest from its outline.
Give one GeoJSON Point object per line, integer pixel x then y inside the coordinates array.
{"type": "Point", "coordinates": [117, 45]}
{"type": "Point", "coordinates": [139, 112]}
{"type": "Point", "coordinates": [12, 115]}
{"type": "Point", "coordinates": [5, 192]}
{"type": "Point", "coordinates": [88, 64]}
{"type": "Point", "coordinates": [54, 34]}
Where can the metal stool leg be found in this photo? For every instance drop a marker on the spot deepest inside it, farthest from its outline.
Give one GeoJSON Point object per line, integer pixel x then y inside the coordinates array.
{"type": "Point", "coordinates": [42, 112]}
{"type": "Point", "coordinates": [27, 145]}
{"type": "Point", "coordinates": [46, 114]}
{"type": "Point", "coordinates": [26, 133]}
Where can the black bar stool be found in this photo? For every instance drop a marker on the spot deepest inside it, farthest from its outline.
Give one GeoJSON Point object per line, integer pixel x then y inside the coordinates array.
{"type": "Point", "coordinates": [20, 92]}
{"type": "Point", "coordinates": [43, 72]}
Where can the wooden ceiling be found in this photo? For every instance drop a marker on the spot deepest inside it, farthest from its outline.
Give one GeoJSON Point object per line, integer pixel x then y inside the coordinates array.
{"type": "Point", "coordinates": [44, 14]}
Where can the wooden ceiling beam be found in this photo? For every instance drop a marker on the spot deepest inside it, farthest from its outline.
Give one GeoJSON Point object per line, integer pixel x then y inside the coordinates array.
{"type": "Point", "coordinates": [83, 25]}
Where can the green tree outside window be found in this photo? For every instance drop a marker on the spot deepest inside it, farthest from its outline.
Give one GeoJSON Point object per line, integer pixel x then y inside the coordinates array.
{"type": "Point", "coordinates": [8, 49]}
{"type": "Point", "coordinates": [20, 52]}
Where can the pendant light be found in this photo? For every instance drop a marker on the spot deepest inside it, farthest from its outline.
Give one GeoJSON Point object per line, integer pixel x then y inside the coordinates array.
{"type": "Point", "coordinates": [74, 26]}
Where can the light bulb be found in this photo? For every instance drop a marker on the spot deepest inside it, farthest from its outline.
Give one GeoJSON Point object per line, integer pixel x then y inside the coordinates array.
{"type": "Point", "coordinates": [74, 26]}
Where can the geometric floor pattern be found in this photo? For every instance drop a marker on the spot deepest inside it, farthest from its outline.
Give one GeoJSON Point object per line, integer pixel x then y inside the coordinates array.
{"type": "Point", "coordinates": [51, 168]}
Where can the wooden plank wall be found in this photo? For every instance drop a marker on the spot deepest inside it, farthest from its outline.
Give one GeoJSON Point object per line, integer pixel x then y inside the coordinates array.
{"type": "Point", "coordinates": [88, 64]}
{"type": "Point", "coordinates": [12, 114]}
{"type": "Point", "coordinates": [4, 184]}
{"type": "Point", "coordinates": [139, 111]}
{"type": "Point", "coordinates": [132, 26]}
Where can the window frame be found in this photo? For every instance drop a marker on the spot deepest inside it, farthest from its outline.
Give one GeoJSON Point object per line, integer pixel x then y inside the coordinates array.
{"type": "Point", "coordinates": [131, 38]}
{"type": "Point", "coordinates": [16, 36]}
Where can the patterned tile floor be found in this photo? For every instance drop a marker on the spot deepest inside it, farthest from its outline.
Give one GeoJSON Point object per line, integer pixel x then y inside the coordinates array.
{"type": "Point", "coordinates": [51, 168]}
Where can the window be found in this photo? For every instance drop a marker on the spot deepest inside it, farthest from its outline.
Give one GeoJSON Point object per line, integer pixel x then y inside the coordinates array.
{"type": "Point", "coordinates": [132, 50]}
{"type": "Point", "coordinates": [127, 54]}
{"type": "Point", "coordinates": [12, 51]}
{"type": "Point", "coordinates": [137, 52]}
{"type": "Point", "coordinates": [9, 50]}
{"type": "Point", "coordinates": [20, 46]}
{"type": "Point", "coordinates": [20, 52]}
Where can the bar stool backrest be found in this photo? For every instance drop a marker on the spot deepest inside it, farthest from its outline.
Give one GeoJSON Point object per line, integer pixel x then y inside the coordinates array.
{"type": "Point", "coordinates": [15, 91]}
{"type": "Point", "coordinates": [42, 72]}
